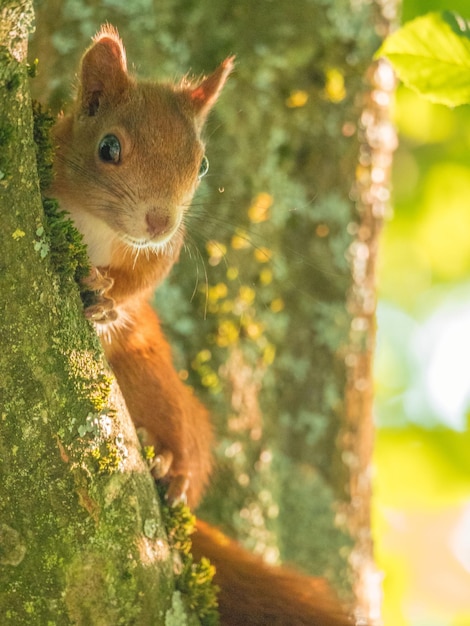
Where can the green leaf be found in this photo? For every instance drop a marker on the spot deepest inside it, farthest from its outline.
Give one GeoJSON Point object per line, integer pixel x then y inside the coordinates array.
{"type": "Point", "coordinates": [431, 55]}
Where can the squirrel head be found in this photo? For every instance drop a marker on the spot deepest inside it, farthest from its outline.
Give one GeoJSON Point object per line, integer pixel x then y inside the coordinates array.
{"type": "Point", "coordinates": [104, 75]}
{"type": "Point", "coordinates": [130, 155]}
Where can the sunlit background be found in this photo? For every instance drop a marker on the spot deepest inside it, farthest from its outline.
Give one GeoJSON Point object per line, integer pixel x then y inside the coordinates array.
{"type": "Point", "coordinates": [422, 505]}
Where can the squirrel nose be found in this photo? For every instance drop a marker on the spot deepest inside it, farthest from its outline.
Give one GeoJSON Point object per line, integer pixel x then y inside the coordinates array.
{"type": "Point", "coordinates": [158, 222]}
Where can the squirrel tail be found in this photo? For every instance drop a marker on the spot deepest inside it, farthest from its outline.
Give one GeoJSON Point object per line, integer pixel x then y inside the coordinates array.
{"type": "Point", "coordinates": [256, 594]}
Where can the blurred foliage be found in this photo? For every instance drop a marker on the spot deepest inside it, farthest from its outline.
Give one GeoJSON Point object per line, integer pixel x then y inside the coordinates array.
{"type": "Point", "coordinates": [431, 55]}
{"type": "Point", "coordinates": [423, 388]}
{"type": "Point", "coordinates": [268, 236]}
{"type": "Point", "coordinates": [431, 184]}
{"type": "Point", "coordinates": [413, 8]}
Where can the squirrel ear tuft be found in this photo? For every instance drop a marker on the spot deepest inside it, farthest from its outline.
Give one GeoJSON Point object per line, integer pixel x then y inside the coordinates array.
{"type": "Point", "coordinates": [103, 70]}
{"type": "Point", "coordinates": [204, 95]}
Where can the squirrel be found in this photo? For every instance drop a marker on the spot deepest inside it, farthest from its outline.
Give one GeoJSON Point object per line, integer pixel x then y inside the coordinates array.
{"type": "Point", "coordinates": [129, 157]}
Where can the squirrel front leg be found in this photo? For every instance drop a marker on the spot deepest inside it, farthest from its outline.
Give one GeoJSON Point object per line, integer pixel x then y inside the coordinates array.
{"type": "Point", "coordinates": [98, 306]}
{"type": "Point", "coordinates": [173, 419]}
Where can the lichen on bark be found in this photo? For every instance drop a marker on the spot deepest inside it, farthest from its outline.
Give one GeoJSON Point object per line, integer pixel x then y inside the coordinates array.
{"type": "Point", "coordinates": [76, 494]}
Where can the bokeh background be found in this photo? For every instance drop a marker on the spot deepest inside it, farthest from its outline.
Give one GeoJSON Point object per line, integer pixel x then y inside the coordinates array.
{"type": "Point", "coordinates": [422, 456]}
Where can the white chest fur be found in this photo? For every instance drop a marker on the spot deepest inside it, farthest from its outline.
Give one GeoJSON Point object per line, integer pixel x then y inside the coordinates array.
{"type": "Point", "coordinates": [98, 236]}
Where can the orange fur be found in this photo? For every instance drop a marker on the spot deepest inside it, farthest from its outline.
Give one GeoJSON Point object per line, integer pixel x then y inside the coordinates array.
{"type": "Point", "coordinates": [127, 164]}
{"type": "Point", "coordinates": [255, 594]}
{"type": "Point", "coordinates": [159, 401]}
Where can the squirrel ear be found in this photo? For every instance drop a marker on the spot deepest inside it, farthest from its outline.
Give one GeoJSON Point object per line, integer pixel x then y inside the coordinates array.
{"type": "Point", "coordinates": [103, 70]}
{"type": "Point", "coordinates": [206, 93]}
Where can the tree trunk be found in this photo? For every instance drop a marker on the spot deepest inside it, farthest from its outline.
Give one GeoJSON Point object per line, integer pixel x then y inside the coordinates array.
{"type": "Point", "coordinates": [371, 192]}
{"type": "Point", "coordinates": [81, 539]}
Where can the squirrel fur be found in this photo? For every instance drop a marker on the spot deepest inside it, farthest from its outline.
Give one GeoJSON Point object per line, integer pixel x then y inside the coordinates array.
{"type": "Point", "coordinates": [129, 157]}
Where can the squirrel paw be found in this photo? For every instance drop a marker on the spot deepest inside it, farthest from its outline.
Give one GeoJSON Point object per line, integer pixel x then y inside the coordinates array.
{"type": "Point", "coordinates": [98, 307]}
{"type": "Point", "coordinates": [177, 485]}
{"type": "Point", "coordinates": [160, 468]}
{"type": "Point", "coordinates": [160, 464]}
{"type": "Point", "coordinates": [178, 490]}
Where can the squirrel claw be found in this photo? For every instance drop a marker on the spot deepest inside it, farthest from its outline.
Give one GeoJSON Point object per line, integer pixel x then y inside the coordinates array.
{"type": "Point", "coordinates": [102, 311]}
{"type": "Point", "coordinates": [178, 490]}
{"type": "Point", "coordinates": [160, 466]}
{"type": "Point", "coordinates": [161, 463]}
{"type": "Point", "coordinates": [97, 282]}
{"type": "Point", "coordinates": [98, 307]}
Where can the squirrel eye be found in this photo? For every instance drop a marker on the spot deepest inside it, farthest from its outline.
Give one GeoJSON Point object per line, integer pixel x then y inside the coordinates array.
{"type": "Point", "coordinates": [204, 168]}
{"type": "Point", "coordinates": [109, 149]}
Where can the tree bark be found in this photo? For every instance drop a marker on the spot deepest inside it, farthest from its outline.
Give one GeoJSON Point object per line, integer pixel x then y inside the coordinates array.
{"type": "Point", "coordinates": [81, 539]}
{"type": "Point", "coordinates": [379, 141]}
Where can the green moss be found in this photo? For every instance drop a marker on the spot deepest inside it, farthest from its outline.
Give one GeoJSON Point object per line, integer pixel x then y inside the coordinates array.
{"type": "Point", "coordinates": [12, 546]}
{"type": "Point", "coordinates": [13, 82]}
{"type": "Point", "coordinates": [108, 456]}
{"type": "Point", "coordinates": [68, 252]}
{"type": "Point", "coordinates": [195, 580]}
{"type": "Point", "coordinates": [58, 237]}
{"type": "Point", "coordinates": [99, 394]}
{"type": "Point", "coordinates": [179, 525]}
{"type": "Point", "coordinates": [95, 444]}
{"type": "Point", "coordinates": [177, 615]}
{"type": "Point", "coordinates": [148, 453]}
{"type": "Point", "coordinates": [90, 571]}
{"type": "Point", "coordinates": [32, 68]}
{"type": "Point", "coordinates": [43, 123]}
{"type": "Point", "coordinates": [91, 380]}
{"type": "Point", "coordinates": [6, 134]}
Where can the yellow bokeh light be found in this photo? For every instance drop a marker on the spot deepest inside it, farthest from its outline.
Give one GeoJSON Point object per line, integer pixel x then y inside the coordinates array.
{"type": "Point", "coordinates": [277, 305]}
{"type": "Point", "coordinates": [232, 273]}
{"type": "Point", "coordinates": [259, 211]}
{"type": "Point", "coordinates": [254, 330]}
{"type": "Point", "coordinates": [297, 98]}
{"type": "Point", "coordinates": [269, 354]}
{"type": "Point", "coordinates": [216, 251]}
{"type": "Point", "coordinates": [262, 254]}
{"type": "Point", "coordinates": [227, 334]}
{"type": "Point", "coordinates": [266, 276]}
{"type": "Point", "coordinates": [247, 294]}
{"type": "Point", "coordinates": [217, 292]}
{"type": "Point", "coordinates": [335, 90]}
{"type": "Point", "coordinates": [240, 240]}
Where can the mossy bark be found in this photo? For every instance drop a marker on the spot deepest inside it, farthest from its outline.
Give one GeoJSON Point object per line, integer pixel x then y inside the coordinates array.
{"type": "Point", "coordinates": [81, 539]}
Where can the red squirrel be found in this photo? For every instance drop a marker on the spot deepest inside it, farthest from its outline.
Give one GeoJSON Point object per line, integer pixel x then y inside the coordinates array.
{"type": "Point", "coordinates": [129, 157]}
